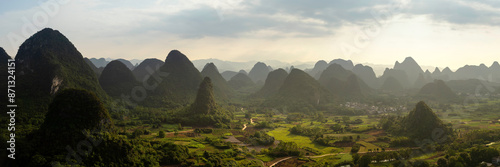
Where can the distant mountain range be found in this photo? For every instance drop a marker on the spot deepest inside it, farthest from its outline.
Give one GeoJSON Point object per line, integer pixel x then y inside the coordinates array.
{"type": "Point", "coordinates": [408, 74]}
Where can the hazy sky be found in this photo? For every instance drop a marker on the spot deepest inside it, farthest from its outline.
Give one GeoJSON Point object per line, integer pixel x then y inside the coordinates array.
{"type": "Point", "coordinates": [434, 32]}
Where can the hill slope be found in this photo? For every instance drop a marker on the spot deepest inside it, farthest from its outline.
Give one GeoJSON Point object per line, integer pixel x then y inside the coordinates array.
{"type": "Point", "coordinates": [179, 82]}
{"type": "Point", "coordinates": [49, 62]}
{"type": "Point", "coordinates": [146, 68]}
{"type": "Point", "coordinates": [241, 82]}
{"type": "Point", "coordinates": [127, 63]}
{"type": "Point", "coordinates": [300, 93]}
{"type": "Point", "coordinates": [437, 90]}
{"type": "Point", "coordinates": [274, 81]}
{"type": "Point", "coordinates": [399, 75]}
{"type": "Point", "coordinates": [422, 122]}
{"type": "Point", "coordinates": [391, 84]}
{"type": "Point", "coordinates": [221, 88]}
{"type": "Point", "coordinates": [205, 111]}
{"type": "Point", "coordinates": [411, 68]}
{"type": "Point", "coordinates": [116, 79]}
{"type": "Point", "coordinates": [342, 82]}
{"type": "Point", "coordinates": [259, 73]}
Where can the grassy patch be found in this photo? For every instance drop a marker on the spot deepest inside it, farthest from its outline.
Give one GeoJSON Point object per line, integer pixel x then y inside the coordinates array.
{"type": "Point", "coordinates": [265, 158]}
{"type": "Point", "coordinates": [284, 135]}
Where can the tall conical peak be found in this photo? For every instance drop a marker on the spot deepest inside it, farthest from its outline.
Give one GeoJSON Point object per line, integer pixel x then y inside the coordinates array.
{"type": "Point", "coordinates": [205, 101]}
{"type": "Point", "coordinates": [409, 60]}
{"type": "Point", "coordinates": [436, 71]}
{"type": "Point", "coordinates": [482, 65]}
{"type": "Point", "coordinates": [495, 64]}
{"type": "Point", "coordinates": [176, 56]}
{"type": "Point", "coordinates": [210, 67]}
{"type": "Point", "coordinates": [447, 70]}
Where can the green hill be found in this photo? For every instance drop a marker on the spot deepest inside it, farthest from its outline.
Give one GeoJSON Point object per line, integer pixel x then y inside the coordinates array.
{"type": "Point", "coordinates": [391, 84]}
{"type": "Point", "coordinates": [334, 71]}
{"type": "Point", "coordinates": [221, 88]}
{"type": "Point", "coordinates": [366, 74]}
{"type": "Point", "coordinates": [205, 111]}
{"type": "Point", "coordinates": [71, 112]}
{"type": "Point", "coordinates": [438, 90]}
{"type": "Point", "coordinates": [319, 67]}
{"type": "Point", "coordinates": [422, 122]}
{"type": "Point", "coordinates": [146, 68]}
{"type": "Point", "coordinates": [127, 63]}
{"type": "Point", "coordinates": [241, 81]}
{"type": "Point", "coordinates": [179, 82]}
{"type": "Point", "coordinates": [470, 86]}
{"type": "Point", "coordinates": [299, 93]}
{"type": "Point", "coordinates": [342, 82]}
{"type": "Point", "coordinates": [47, 63]}
{"type": "Point", "coordinates": [273, 83]}
{"type": "Point", "coordinates": [117, 79]}
{"type": "Point", "coordinates": [411, 68]}
{"type": "Point", "coordinates": [399, 75]}
{"type": "Point", "coordinates": [98, 71]}
{"type": "Point", "coordinates": [259, 72]}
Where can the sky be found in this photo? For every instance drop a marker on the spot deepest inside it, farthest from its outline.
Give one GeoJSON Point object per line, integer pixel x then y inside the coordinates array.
{"type": "Point", "coordinates": [439, 33]}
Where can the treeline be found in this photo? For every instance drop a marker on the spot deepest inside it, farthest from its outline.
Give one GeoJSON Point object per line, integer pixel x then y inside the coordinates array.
{"type": "Point", "coordinates": [306, 131]}
{"type": "Point", "coordinates": [283, 149]}
{"type": "Point", "coordinates": [261, 138]}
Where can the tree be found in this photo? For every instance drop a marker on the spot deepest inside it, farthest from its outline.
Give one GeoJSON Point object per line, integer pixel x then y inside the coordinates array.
{"type": "Point", "coordinates": [179, 126]}
{"type": "Point", "coordinates": [248, 115]}
{"type": "Point", "coordinates": [161, 134]}
{"type": "Point", "coordinates": [355, 148]}
{"type": "Point", "coordinates": [137, 133]}
{"type": "Point", "coordinates": [355, 158]}
{"type": "Point", "coordinates": [442, 162]}
{"type": "Point", "coordinates": [466, 158]}
{"type": "Point", "coordinates": [365, 161]}
{"type": "Point", "coordinates": [421, 163]}
{"type": "Point", "coordinates": [479, 154]}
{"type": "Point", "coordinates": [337, 128]}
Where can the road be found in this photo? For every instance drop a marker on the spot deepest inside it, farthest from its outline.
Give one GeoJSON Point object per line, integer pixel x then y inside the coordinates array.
{"type": "Point", "coordinates": [281, 160]}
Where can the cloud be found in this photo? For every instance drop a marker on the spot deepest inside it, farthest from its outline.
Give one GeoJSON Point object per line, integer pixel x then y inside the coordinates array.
{"type": "Point", "coordinates": [459, 12]}
{"type": "Point", "coordinates": [290, 18]}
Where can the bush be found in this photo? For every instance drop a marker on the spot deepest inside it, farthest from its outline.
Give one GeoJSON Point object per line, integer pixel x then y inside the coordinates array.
{"type": "Point", "coordinates": [161, 134]}
{"type": "Point", "coordinates": [285, 149]}
{"type": "Point", "coordinates": [261, 138]}
{"type": "Point", "coordinates": [264, 124]}
{"type": "Point", "coordinates": [402, 142]}
{"type": "Point", "coordinates": [203, 130]}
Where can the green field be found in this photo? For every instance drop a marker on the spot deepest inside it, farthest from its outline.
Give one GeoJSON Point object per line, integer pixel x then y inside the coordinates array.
{"type": "Point", "coordinates": [284, 135]}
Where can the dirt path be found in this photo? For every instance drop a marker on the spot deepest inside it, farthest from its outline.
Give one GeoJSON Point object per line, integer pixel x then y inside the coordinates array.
{"type": "Point", "coordinates": [281, 160]}
{"type": "Point", "coordinates": [245, 125]}
{"type": "Point", "coordinates": [324, 155]}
